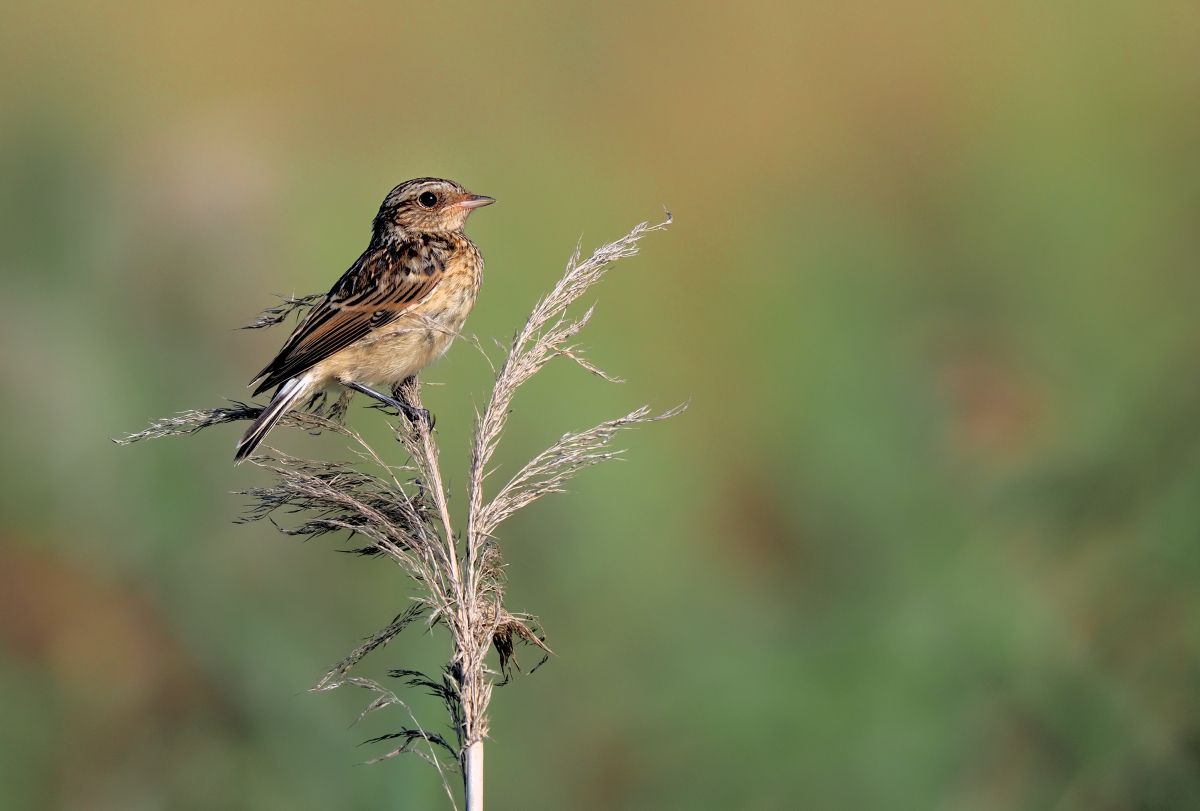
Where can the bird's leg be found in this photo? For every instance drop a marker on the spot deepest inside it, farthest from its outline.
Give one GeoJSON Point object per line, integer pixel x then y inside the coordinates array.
{"type": "Point", "coordinates": [413, 414]}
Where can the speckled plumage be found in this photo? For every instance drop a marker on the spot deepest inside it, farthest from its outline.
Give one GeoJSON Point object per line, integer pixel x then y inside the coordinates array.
{"type": "Point", "coordinates": [395, 311]}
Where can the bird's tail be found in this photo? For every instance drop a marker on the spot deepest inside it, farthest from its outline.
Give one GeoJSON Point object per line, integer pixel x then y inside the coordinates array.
{"type": "Point", "coordinates": [288, 395]}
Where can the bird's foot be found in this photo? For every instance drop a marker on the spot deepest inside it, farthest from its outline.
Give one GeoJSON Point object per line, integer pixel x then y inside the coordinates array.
{"type": "Point", "coordinates": [413, 415]}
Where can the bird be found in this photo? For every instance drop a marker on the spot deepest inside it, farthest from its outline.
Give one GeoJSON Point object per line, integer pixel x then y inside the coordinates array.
{"type": "Point", "coordinates": [395, 311]}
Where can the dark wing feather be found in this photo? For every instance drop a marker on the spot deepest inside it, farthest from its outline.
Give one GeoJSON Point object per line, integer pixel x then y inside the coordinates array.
{"type": "Point", "coordinates": [378, 289]}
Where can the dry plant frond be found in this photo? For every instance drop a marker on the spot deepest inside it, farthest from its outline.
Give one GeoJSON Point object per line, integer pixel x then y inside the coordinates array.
{"type": "Point", "coordinates": [189, 422]}
{"type": "Point", "coordinates": [460, 579]}
{"type": "Point", "coordinates": [550, 469]}
{"type": "Point", "coordinates": [376, 640]}
{"type": "Point", "coordinates": [290, 306]}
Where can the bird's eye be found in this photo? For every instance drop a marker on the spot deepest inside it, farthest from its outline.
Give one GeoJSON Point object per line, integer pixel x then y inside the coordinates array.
{"type": "Point", "coordinates": [428, 199]}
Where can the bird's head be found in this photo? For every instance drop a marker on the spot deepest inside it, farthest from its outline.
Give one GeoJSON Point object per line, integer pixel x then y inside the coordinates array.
{"type": "Point", "coordinates": [426, 205]}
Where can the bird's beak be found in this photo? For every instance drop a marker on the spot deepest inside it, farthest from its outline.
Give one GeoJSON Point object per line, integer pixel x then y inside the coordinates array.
{"type": "Point", "coordinates": [475, 201]}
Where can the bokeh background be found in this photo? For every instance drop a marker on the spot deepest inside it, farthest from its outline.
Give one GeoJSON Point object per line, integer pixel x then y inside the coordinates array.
{"type": "Point", "coordinates": [928, 536]}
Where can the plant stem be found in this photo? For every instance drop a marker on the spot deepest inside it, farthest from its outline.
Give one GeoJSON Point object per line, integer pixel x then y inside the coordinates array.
{"type": "Point", "coordinates": [473, 776]}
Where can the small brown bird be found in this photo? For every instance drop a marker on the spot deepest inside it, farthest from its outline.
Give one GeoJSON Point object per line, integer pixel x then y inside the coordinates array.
{"type": "Point", "coordinates": [395, 311]}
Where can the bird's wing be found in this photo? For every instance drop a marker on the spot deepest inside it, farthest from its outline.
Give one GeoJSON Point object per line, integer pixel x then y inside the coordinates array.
{"type": "Point", "coordinates": [377, 290]}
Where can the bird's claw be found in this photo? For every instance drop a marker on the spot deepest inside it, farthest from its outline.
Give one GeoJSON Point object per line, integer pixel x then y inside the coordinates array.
{"type": "Point", "coordinates": [415, 415]}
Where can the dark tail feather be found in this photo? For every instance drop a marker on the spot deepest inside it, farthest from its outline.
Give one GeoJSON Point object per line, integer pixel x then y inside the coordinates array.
{"type": "Point", "coordinates": [287, 396]}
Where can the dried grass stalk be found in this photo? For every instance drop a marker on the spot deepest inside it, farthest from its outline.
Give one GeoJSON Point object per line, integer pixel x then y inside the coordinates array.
{"type": "Point", "coordinates": [401, 513]}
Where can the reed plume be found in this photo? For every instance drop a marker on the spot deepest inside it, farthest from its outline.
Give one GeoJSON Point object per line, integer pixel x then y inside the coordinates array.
{"type": "Point", "coordinates": [401, 512]}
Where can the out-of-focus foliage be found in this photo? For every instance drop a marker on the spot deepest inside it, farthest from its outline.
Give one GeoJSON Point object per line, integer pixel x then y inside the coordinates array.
{"type": "Point", "coordinates": [929, 536]}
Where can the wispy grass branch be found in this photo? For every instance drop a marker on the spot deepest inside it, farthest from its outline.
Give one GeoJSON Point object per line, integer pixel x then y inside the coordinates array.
{"type": "Point", "coordinates": [401, 512]}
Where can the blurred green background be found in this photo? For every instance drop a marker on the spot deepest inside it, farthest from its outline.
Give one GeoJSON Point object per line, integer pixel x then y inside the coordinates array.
{"type": "Point", "coordinates": [928, 536]}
